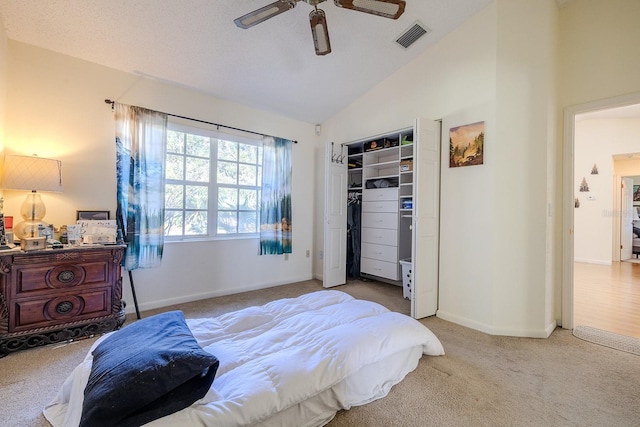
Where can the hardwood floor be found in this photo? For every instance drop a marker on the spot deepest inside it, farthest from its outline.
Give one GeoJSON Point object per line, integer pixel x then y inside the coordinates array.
{"type": "Point", "coordinates": [608, 297]}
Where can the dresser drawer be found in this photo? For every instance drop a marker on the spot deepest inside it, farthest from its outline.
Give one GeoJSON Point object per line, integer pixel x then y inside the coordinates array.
{"type": "Point", "coordinates": [374, 267]}
{"type": "Point", "coordinates": [380, 220]}
{"type": "Point", "coordinates": [376, 194]}
{"type": "Point", "coordinates": [382, 236]}
{"type": "Point", "coordinates": [34, 280]}
{"type": "Point", "coordinates": [380, 206]}
{"type": "Point", "coordinates": [59, 309]}
{"type": "Point", "coordinates": [380, 252]}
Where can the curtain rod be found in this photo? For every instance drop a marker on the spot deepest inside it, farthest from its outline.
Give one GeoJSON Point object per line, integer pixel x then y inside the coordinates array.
{"type": "Point", "coordinates": [109, 101]}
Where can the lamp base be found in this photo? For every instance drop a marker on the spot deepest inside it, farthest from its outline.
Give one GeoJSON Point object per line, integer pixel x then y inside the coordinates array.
{"type": "Point", "coordinates": [27, 229]}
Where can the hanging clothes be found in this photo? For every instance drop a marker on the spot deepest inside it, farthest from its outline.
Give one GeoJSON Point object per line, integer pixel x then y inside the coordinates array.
{"type": "Point", "coordinates": [354, 210]}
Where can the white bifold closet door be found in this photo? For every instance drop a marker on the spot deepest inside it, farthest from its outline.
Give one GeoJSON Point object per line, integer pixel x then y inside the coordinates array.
{"type": "Point", "coordinates": [425, 223]}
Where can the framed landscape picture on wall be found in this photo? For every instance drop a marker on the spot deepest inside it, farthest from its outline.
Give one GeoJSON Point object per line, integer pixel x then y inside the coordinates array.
{"type": "Point", "coordinates": [466, 145]}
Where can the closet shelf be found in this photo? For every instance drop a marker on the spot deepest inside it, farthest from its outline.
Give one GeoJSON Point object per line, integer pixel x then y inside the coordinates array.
{"type": "Point", "coordinates": [369, 178]}
{"type": "Point", "coordinates": [383, 164]}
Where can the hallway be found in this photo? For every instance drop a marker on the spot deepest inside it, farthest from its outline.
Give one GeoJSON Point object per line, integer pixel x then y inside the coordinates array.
{"type": "Point", "coordinates": [608, 297]}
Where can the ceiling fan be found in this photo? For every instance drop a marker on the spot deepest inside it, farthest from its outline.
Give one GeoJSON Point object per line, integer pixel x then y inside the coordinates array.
{"type": "Point", "coordinates": [385, 8]}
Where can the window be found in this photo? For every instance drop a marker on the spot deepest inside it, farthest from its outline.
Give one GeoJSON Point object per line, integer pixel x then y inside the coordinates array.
{"type": "Point", "coordinates": [212, 184]}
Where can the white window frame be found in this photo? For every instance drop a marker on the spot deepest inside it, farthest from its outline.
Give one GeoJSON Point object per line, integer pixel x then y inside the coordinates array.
{"type": "Point", "coordinates": [201, 129]}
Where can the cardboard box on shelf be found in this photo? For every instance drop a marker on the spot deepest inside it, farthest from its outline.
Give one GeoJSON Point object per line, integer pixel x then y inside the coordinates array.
{"type": "Point", "coordinates": [406, 165]}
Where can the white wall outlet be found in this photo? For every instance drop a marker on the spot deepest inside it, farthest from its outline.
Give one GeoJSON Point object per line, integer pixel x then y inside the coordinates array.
{"type": "Point", "coordinates": [286, 257]}
{"type": "Point", "coordinates": [308, 254]}
{"type": "Point", "coordinates": [321, 254]}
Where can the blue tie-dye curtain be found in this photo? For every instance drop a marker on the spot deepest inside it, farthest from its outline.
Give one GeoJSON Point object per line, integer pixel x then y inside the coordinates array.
{"type": "Point", "coordinates": [275, 209]}
{"type": "Point", "coordinates": [140, 157]}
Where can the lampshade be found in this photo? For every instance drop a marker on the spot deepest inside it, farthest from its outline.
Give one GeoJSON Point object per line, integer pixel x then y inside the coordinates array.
{"type": "Point", "coordinates": [34, 174]}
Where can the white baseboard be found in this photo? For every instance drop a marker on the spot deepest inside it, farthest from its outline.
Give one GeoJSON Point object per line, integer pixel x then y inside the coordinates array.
{"type": "Point", "coordinates": [487, 329]}
{"type": "Point", "coordinates": [150, 305]}
{"type": "Point", "coordinates": [593, 261]}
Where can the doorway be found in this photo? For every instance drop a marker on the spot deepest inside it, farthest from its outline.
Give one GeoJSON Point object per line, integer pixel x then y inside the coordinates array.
{"type": "Point", "coordinates": [626, 106]}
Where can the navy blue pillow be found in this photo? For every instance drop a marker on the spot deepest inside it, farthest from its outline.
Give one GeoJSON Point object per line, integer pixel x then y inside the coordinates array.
{"type": "Point", "coordinates": [147, 370]}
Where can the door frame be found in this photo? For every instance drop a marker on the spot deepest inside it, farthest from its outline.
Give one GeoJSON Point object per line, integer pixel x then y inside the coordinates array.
{"type": "Point", "coordinates": [568, 194]}
{"type": "Point", "coordinates": [623, 225]}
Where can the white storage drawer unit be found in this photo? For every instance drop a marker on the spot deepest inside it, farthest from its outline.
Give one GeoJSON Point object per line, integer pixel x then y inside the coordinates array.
{"type": "Point", "coordinates": [380, 206]}
{"type": "Point", "coordinates": [380, 220]}
{"type": "Point", "coordinates": [380, 252]}
{"type": "Point", "coordinates": [376, 194]}
{"type": "Point", "coordinates": [381, 236]}
{"type": "Point", "coordinates": [379, 268]}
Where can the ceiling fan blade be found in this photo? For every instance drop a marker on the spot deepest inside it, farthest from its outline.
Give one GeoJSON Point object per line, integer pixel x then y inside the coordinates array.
{"type": "Point", "coordinates": [320, 32]}
{"type": "Point", "coordinates": [264, 13]}
{"type": "Point", "coordinates": [386, 8]}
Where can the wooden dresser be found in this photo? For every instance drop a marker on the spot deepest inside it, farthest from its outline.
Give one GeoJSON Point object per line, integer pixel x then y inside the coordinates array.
{"type": "Point", "coordinates": [57, 295]}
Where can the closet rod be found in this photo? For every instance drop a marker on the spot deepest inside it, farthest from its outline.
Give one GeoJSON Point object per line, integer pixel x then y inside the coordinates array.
{"type": "Point", "coordinates": [109, 101]}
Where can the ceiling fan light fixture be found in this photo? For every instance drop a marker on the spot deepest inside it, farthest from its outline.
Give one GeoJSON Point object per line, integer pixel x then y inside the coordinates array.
{"type": "Point", "coordinates": [386, 8]}
{"type": "Point", "coordinates": [320, 32]}
{"type": "Point", "coordinates": [264, 13]}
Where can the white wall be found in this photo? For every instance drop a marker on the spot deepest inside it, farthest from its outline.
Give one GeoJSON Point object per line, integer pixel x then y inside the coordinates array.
{"type": "Point", "coordinates": [493, 272]}
{"type": "Point", "coordinates": [435, 85]}
{"type": "Point", "coordinates": [599, 46]}
{"type": "Point", "coordinates": [596, 142]}
{"type": "Point", "coordinates": [3, 81]}
{"type": "Point", "coordinates": [526, 119]}
{"type": "Point", "coordinates": [55, 108]}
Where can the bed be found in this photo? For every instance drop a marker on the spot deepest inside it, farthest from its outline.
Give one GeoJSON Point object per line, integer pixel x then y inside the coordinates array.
{"type": "Point", "coordinates": [291, 362]}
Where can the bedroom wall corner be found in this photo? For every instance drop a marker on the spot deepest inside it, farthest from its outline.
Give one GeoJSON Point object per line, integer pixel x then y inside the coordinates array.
{"type": "Point", "coordinates": [55, 107]}
{"type": "Point", "coordinates": [525, 106]}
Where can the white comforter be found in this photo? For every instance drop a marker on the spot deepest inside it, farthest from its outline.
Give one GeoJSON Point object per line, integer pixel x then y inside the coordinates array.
{"type": "Point", "coordinates": [291, 362]}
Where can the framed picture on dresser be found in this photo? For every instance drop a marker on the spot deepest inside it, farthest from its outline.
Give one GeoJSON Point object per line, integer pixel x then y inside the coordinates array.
{"type": "Point", "coordinates": [93, 215]}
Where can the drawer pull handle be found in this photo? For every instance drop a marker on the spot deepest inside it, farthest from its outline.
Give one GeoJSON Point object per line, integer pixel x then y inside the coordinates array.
{"type": "Point", "coordinates": [64, 307]}
{"type": "Point", "coordinates": [66, 276]}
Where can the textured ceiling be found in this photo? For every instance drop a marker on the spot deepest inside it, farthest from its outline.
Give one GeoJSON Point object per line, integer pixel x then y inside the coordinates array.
{"type": "Point", "coordinates": [271, 66]}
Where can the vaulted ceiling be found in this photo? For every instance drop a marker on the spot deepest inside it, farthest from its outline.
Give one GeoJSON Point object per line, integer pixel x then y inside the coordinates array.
{"type": "Point", "coordinates": [271, 66]}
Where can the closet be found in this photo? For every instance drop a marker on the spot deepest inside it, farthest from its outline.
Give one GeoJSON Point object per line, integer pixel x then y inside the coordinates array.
{"type": "Point", "coordinates": [393, 181]}
{"type": "Point", "coordinates": [380, 174]}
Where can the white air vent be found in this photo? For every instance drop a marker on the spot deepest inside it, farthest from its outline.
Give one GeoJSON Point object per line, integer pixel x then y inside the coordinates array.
{"type": "Point", "coordinates": [412, 34]}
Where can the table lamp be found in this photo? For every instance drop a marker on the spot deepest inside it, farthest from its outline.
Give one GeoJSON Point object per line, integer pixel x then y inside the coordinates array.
{"type": "Point", "coordinates": [35, 174]}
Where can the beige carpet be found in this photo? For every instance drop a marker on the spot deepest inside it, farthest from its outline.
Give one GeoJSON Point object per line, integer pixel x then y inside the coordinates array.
{"type": "Point", "coordinates": [482, 380]}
